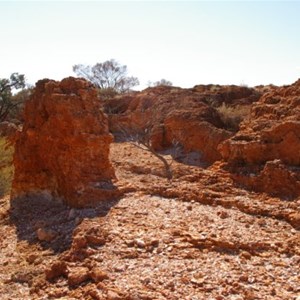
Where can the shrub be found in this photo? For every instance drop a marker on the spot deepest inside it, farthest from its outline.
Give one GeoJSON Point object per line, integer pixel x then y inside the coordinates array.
{"type": "Point", "coordinates": [232, 116]}
{"type": "Point", "coordinates": [6, 167]}
{"type": "Point", "coordinates": [107, 75]}
{"type": "Point", "coordinates": [107, 93]}
{"type": "Point", "coordinates": [7, 103]}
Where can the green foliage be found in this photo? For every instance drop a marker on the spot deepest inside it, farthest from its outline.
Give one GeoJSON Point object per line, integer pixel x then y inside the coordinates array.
{"type": "Point", "coordinates": [16, 81]}
{"type": "Point", "coordinates": [6, 166]}
{"type": "Point", "coordinates": [16, 113]}
{"type": "Point", "coordinates": [107, 75]}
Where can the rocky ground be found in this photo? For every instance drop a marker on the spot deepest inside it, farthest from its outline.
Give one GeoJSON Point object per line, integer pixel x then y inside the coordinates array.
{"type": "Point", "coordinates": [198, 236]}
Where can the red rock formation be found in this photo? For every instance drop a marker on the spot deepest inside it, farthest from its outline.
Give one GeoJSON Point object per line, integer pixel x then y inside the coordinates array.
{"type": "Point", "coordinates": [195, 135]}
{"type": "Point", "coordinates": [272, 133]}
{"type": "Point", "coordinates": [64, 146]}
{"type": "Point", "coordinates": [274, 178]}
{"type": "Point", "coordinates": [187, 116]}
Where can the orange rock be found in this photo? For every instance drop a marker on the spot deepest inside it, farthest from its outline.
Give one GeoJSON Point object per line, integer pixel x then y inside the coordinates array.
{"type": "Point", "coordinates": [274, 178]}
{"type": "Point", "coordinates": [184, 116]}
{"type": "Point", "coordinates": [273, 131]}
{"type": "Point", "coordinates": [58, 268]}
{"type": "Point", "coordinates": [63, 148]}
{"type": "Point", "coordinates": [46, 235]}
{"type": "Point", "coordinates": [98, 275]}
{"type": "Point", "coordinates": [195, 135]}
{"type": "Point", "coordinates": [270, 143]}
{"type": "Point", "coordinates": [77, 275]}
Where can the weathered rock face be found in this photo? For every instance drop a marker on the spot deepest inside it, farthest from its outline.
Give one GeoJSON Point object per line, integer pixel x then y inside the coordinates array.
{"type": "Point", "coordinates": [186, 116]}
{"type": "Point", "coordinates": [271, 140]}
{"type": "Point", "coordinates": [195, 135]}
{"type": "Point", "coordinates": [63, 148]}
{"type": "Point", "coordinates": [274, 178]}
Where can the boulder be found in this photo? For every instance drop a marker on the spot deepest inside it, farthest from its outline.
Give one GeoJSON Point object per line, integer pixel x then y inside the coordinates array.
{"type": "Point", "coordinates": [63, 149]}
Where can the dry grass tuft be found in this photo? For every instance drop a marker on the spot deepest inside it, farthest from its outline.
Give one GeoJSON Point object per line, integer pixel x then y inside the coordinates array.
{"type": "Point", "coordinates": [6, 166]}
{"type": "Point", "coordinates": [232, 116]}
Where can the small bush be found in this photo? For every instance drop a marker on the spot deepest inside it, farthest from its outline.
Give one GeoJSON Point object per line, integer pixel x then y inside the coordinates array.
{"type": "Point", "coordinates": [232, 116]}
{"type": "Point", "coordinates": [107, 93]}
{"type": "Point", "coordinates": [6, 166]}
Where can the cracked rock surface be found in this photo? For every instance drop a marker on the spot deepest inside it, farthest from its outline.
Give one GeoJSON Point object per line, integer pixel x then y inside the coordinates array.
{"type": "Point", "coordinates": [198, 236]}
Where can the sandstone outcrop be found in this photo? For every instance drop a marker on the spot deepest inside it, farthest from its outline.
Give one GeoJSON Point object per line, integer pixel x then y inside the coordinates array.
{"type": "Point", "coordinates": [266, 150]}
{"type": "Point", "coordinates": [63, 149]}
{"type": "Point", "coordinates": [201, 235]}
{"type": "Point", "coordinates": [185, 116]}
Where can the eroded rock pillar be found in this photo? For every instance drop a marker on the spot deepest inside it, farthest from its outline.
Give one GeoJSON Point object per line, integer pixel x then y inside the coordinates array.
{"type": "Point", "coordinates": [63, 149]}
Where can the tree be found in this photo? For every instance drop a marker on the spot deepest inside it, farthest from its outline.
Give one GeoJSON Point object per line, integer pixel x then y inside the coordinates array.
{"type": "Point", "coordinates": [162, 82]}
{"type": "Point", "coordinates": [19, 99]}
{"type": "Point", "coordinates": [107, 75]}
{"type": "Point", "coordinates": [7, 104]}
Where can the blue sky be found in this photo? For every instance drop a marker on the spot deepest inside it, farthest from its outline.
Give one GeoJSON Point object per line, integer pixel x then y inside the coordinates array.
{"type": "Point", "coordinates": [186, 42]}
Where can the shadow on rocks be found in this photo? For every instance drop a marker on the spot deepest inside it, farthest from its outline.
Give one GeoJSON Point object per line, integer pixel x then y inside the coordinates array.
{"type": "Point", "coordinates": [41, 219]}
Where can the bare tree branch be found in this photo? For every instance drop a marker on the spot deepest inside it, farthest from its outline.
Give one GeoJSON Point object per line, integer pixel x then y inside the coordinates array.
{"type": "Point", "coordinates": [141, 138]}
